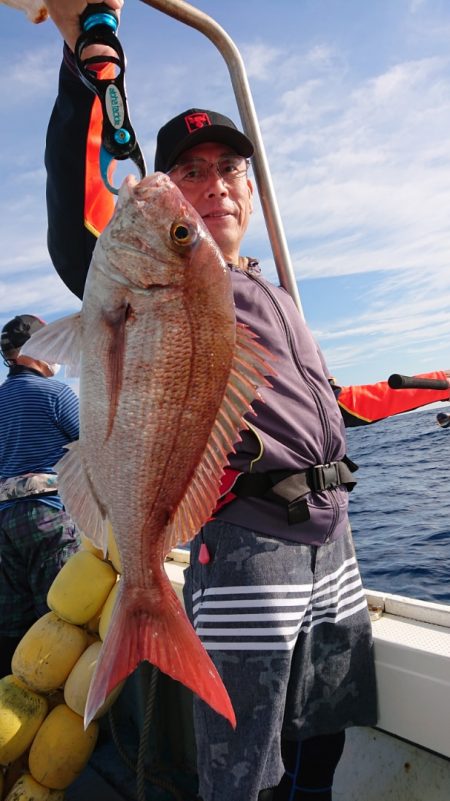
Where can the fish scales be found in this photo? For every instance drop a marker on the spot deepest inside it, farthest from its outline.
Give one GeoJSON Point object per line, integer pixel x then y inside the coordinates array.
{"type": "Point", "coordinates": [166, 376]}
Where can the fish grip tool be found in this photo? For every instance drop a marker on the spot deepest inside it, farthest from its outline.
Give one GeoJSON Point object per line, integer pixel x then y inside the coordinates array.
{"type": "Point", "coordinates": [99, 24]}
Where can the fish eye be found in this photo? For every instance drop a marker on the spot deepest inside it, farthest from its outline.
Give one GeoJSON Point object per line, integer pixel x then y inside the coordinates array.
{"type": "Point", "coordinates": [182, 233]}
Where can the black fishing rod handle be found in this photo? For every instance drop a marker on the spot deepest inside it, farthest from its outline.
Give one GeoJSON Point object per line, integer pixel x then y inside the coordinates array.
{"type": "Point", "coordinates": [397, 381]}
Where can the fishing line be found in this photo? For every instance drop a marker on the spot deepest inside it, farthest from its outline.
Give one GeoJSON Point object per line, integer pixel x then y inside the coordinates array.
{"type": "Point", "coordinates": [138, 766]}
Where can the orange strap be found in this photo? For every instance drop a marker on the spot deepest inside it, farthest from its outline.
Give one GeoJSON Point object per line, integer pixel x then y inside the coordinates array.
{"type": "Point", "coordinates": [99, 201]}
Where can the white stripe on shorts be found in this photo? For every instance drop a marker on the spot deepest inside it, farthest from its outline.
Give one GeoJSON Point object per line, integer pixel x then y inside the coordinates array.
{"type": "Point", "coordinates": [335, 597]}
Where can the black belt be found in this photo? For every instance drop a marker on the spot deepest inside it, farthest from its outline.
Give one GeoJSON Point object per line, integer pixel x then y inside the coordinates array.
{"type": "Point", "coordinates": [289, 488]}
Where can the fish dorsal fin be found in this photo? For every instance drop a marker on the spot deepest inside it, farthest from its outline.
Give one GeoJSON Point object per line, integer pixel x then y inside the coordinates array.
{"type": "Point", "coordinates": [59, 342]}
{"type": "Point", "coordinates": [79, 499]}
{"type": "Point", "coordinates": [249, 369]}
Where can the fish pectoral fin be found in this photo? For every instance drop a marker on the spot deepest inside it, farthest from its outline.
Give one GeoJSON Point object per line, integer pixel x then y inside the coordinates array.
{"type": "Point", "coordinates": [79, 498]}
{"type": "Point", "coordinates": [249, 369]}
{"type": "Point", "coordinates": [59, 342]}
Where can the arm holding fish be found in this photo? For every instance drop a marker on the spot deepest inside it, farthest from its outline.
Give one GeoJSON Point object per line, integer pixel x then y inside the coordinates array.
{"type": "Point", "coordinates": [368, 403]}
{"type": "Point", "coordinates": [66, 16]}
{"type": "Point", "coordinates": [78, 204]}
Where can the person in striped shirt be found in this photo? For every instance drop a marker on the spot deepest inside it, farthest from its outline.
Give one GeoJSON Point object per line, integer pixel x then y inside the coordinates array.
{"type": "Point", "coordinates": [39, 416]}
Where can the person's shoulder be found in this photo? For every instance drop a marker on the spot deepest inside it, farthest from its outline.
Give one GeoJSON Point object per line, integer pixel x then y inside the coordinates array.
{"type": "Point", "coordinates": [60, 387]}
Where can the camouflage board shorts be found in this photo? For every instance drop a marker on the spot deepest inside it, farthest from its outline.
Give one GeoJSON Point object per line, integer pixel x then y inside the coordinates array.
{"type": "Point", "coordinates": [288, 629]}
{"type": "Point", "coordinates": [35, 542]}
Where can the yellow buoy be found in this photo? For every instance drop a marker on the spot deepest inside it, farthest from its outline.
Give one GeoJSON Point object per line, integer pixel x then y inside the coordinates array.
{"type": "Point", "coordinates": [88, 545]}
{"type": "Point", "coordinates": [105, 617]}
{"type": "Point", "coordinates": [77, 684]}
{"type": "Point", "coordinates": [81, 588]}
{"type": "Point", "coordinates": [61, 748]}
{"type": "Point", "coordinates": [93, 624]}
{"type": "Point", "coordinates": [27, 789]}
{"type": "Point", "coordinates": [47, 653]}
{"type": "Point", "coordinates": [21, 713]}
{"type": "Point", "coordinates": [113, 551]}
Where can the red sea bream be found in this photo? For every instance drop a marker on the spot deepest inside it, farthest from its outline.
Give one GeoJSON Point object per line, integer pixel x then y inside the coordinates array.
{"type": "Point", "coordinates": [166, 376]}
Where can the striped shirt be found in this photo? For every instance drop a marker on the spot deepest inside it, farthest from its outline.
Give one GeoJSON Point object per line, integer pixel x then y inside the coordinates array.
{"type": "Point", "coordinates": [38, 417]}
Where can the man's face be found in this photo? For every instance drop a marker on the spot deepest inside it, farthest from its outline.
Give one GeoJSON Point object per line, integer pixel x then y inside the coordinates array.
{"type": "Point", "coordinates": [224, 205]}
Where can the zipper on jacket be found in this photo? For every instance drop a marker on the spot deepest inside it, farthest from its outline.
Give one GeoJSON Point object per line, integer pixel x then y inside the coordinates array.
{"type": "Point", "coordinates": [326, 429]}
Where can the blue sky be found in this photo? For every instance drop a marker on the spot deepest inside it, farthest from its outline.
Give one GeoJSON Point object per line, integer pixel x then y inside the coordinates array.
{"type": "Point", "coordinates": [353, 100]}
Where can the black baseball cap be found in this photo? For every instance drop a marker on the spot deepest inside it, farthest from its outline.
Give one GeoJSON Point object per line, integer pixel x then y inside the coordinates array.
{"type": "Point", "coordinates": [18, 331]}
{"type": "Point", "coordinates": [193, 127]}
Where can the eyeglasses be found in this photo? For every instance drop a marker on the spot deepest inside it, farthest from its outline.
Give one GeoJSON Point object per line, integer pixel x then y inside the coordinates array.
{"type": "Point", "coordinates": [196, 171]}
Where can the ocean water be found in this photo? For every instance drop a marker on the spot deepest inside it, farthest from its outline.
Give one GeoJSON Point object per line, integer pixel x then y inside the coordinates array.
{"type": "Point", "coordinates": [400, 508]}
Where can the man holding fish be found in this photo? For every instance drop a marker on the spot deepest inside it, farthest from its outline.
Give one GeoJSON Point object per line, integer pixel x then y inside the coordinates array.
{"type": "Point", "coordinates": [273, 590]}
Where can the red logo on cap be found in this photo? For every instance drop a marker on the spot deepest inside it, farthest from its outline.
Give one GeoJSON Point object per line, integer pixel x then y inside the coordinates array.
{"type": "Point", "coordinates": [197, 120]}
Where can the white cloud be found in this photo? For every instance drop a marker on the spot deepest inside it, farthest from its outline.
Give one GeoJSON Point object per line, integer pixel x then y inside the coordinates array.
{"type": "Point", "coordinates": [44, 294]}
{"type": "Point", "coordinates": [363, 174]}
{"type": "Point", "coordinates": [31, 74]}
{"type": "Point", "coordinates": [259, 59]}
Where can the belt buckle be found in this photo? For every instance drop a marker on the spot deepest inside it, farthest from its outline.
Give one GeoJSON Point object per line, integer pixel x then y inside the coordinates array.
{"type": "Point", "coordinates": [325, 476]}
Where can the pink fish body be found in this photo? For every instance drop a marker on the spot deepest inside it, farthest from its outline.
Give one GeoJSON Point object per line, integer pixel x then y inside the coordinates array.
{"type": "Point", "coordinates": [166, 376]}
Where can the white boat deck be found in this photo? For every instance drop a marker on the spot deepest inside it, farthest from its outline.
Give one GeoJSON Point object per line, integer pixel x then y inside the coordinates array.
{"type": "Point", "coordinates": [412, 658]}
{"type": "Point", "coordinates": [407, 757]}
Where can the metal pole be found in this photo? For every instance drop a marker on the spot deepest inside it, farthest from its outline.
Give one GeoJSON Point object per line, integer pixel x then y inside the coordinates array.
{"type": "Point", "coordinates": [184, 12]}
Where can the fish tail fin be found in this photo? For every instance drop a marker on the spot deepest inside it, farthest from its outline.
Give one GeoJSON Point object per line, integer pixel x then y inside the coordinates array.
{"type": "Point", "coordinates": [158, 630]}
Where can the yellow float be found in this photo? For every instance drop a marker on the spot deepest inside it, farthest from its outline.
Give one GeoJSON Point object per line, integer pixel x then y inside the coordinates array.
{"type": "Point", "coordinates": [57, 655]}
{"type": "Point", "coordinates": [88, 545]}
{"type": "Point", "coordinates": [81, 588]}
{"type": "Point", "coordinates": [77, 684]}
{"type": "Point", "coordinates": [61, 748]}
{"type": "Point", "coordinates": [113, 551]}
{"type": "Point", "coordinates": [22, 712]}
{"type": "Point", "coordinates": [105, 617]}
{"type": "Point", "coordinates": [47, 653]}
{"type": "Point", "coordinates": [27, 789]}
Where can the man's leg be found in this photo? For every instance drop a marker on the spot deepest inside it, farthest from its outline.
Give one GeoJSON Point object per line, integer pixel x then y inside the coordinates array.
{"type": "Point", "coordinates": [247, 606]}
{"type": "Point", "coordinates": [53, 540]}
{"type": "Point", "coordinates": [332, 682]}
{"type": "Point", "coordinates": [35, 542]}
{"type": "Point", "coordinates": [310, 766]}
{"type": "Point", "coordinates": [16, 602]}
